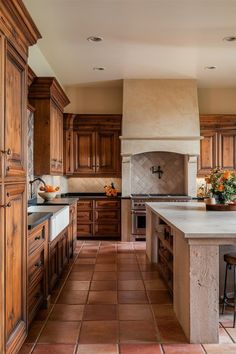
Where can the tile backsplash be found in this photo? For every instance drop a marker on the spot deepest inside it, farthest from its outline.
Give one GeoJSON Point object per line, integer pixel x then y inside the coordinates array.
{"type": "Point", "coordinates": [144, 181]}
{"type": "Point", "coordinates": [91, 184]}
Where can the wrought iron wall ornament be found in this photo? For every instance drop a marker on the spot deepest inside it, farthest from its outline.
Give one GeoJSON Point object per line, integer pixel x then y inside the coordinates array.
{"type": "Point", "coordinates": [158, 170]}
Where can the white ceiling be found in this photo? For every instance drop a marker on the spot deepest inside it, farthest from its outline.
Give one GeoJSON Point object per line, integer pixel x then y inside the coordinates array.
{"type": "Point", "coordinates": [142, 39]}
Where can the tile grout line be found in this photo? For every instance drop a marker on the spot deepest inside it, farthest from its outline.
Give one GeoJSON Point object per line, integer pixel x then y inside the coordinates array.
{"type": "Point", "coordinates": [82, 319]}
{"type": "Point", "coordinates": [150, 305]}
{"type": "Point", "coordinates": [53, 305]}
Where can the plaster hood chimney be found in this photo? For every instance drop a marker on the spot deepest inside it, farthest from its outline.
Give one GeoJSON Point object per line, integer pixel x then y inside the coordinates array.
{"type": "Point", "coordinates": [160, 115]}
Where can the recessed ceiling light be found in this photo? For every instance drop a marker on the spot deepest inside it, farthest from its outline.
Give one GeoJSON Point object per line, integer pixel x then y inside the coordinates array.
{"type": "Point", "coordinates": [229, 38]}
{"type": "Point", "coordinates": [94, 39]}
{"type": "Point", "coordinates": [210, 67]}
{"type": "Point", "coordinates": [99, 68]}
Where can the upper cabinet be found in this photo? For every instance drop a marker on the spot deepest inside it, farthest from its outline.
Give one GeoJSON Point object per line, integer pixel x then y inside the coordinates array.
{"type": "Point", "coordinates": [49, 100]}
{"type": "Point", "coordinates": [92, 145]}
{"type": "Point", "coordinates": [218, 146]}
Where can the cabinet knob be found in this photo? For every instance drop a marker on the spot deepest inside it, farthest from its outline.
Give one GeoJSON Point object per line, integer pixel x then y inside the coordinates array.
{"type": "Point", "coordinates": [6, 152]}
{"type": "Point", "coordinates": [37, 265]}
{"type": "Point", "coordinates": [6, 205]}
{"type": "Point", "coordinates": [37, 238]}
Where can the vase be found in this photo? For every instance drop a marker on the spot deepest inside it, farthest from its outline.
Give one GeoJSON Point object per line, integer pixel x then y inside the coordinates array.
{"type": "Point", "coordinates": [220, 199]}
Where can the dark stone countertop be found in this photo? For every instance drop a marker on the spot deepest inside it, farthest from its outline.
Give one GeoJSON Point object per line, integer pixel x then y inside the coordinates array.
{"type": "Point", "coordinates": [36, 218]}
{"type": "Point", "coordinates": [68, 200]}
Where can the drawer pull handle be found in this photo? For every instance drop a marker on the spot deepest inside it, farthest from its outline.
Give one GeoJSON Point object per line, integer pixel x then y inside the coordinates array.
{"type": "Point", "coordinates": [6, 152]}
{"type": "Point", "coordinates": [37, 295]}
{"type": "Point", "coordinates": [7, 205]}
{"type": "Point", "coordinates": [37, 238]}
{"type": "Point", "coordinates": [37, 265]}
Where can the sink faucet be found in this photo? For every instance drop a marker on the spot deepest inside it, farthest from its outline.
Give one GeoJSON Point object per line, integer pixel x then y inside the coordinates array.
{"type": "Point", "coordinates": [31, 185]}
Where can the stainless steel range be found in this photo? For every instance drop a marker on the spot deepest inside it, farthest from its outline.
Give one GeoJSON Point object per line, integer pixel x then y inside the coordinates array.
{"type": "Point", "coordinates": [138, 210]}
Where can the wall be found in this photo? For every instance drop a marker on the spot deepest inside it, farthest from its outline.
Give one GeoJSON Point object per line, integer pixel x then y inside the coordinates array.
{"type": "Point", "coordinates": [100, 100]}
{"type": "Point", "coordinates": [217, 100]}
{"type": "Point", "coordinates": [39, 63]}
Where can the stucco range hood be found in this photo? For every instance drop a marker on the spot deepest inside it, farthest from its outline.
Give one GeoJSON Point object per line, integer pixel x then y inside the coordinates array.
{"type": "Point", "coordinates": [160, 116]}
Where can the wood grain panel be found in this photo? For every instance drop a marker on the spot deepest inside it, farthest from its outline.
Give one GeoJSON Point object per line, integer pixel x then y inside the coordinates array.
{"type": "Point", "coordinates": [107, 216]}
{"type": "Point", "coordinates": [15, 114]}
{"type": "Point", "coordinates": [84, 152]}
{"type": "Point", "coordinates": [208, 152]}
{"type": "Point", "coordinates": [16, 260]}
{"type": "Point", "coordinates": [107, 145]}
{"type": "Point", "coordinates": [107, 229]}
{"type": "Point", "coordinates": [106, 203]}
{"type": "Point", "coordinates": [227, 150]}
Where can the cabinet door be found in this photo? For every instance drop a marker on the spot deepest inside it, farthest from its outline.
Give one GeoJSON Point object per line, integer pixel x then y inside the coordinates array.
{"type": "Point", "coordinates": [208, 152]}
{"type": "Point", "coordinates": [2, 268]}
{"type": "Point", "coordinates": [53, 265]}
{"type": "Point", "coordinates": [54, 138]}
{"type": "Point", "coordinates": [227, 150]}
{"type": "Point", "coordinates": [84, 152]}
{"type": "Point", "coordinates": [15, 266]}
{"type": "Point", "coordinates": [60, 147]}
{"type": "Point", "coordinates": [15, 116]}
{"type": "Point", "coordinates": [68, 152]}
{"type": "Point", "coordinates": [107, 152]}
{"type": "Point", "coordinates": [2, 44]}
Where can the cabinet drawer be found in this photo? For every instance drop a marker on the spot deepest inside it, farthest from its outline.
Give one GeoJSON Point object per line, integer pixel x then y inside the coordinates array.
{"type": "Point", "coordinates": [107, 229]}
{"type": "Point", "coordinates": [104, 204]}
{"type": "Point", "coordinates": [35, 297]}
{"type": "Point", "coordinates": [85, 230]}
{"type": "Point", "coordinates": [85, 216]}
{"type": "Point", "coordinates": [85, 204]}
{"type": "Point", "coordinates": [36, 264]}
{"type": "Point", "coordinates": [37, 236]}
{"type": "Point", "coordinates": [107, 215]}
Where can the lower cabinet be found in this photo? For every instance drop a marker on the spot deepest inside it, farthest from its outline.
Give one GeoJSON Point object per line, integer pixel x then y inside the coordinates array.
{"type": "Point", "coordinates": [72, 232]}
{"type": "Point", "coordinates": [58, 257]}
{"type": "Point", "coordinates": [38, 292]}
{"type": "Point", "coordinates": [98, 218]}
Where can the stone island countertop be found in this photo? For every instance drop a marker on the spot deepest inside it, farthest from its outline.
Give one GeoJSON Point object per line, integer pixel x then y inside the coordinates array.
{"type": "Point", "coordinates": [194, 221]}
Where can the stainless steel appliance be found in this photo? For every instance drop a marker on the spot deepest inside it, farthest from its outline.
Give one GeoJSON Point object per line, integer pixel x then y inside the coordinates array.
{"type": "Point", "coordinates": [138, 210]}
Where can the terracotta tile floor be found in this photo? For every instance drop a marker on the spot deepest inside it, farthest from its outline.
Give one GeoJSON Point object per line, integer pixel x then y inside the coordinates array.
{"type": "Point", "coordinates": [111, 300]}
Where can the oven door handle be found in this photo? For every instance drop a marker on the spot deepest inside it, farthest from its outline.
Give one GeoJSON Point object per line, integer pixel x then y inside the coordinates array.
{"type": "Point", "coordinates": [138, 212]}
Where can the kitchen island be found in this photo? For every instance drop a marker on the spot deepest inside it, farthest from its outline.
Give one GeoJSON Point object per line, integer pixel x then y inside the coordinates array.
{"type": "Point", "coordinates": [184, 239]}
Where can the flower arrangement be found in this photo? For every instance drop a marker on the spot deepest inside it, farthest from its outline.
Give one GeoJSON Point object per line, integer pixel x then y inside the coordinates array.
{"type": "Point", "coordinates": [110, 191]}
{"type": "Point", "coordinates": [223, 185]}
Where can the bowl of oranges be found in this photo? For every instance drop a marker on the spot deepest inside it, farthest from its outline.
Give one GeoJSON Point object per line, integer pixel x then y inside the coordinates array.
{"type": "Point", "coordinates": [48, 192]}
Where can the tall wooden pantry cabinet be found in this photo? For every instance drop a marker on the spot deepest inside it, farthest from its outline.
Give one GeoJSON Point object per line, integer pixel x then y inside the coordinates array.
{"type": "Point", "coordinates": [17, 33]}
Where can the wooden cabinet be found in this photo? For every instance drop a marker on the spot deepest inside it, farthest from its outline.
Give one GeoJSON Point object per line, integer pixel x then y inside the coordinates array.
{"type": "Point", "coordinates": [58, 257]}
{"type": "Point", "coordinates": [98, 218]}
{"type": "Point", "coordinates": [84, 153]}
{"type": "Point", "coordinates": [38, 293]}
{"type": "Point", "coordinates": [208, 158]}
{"type": "Point", "coordinates": [72, 230]}
{"type": "Point", "coordinates": [227, 149]}
{"type": "Point", "coordinates": [15, 263]}
{"type": "Point", "coordinates": [49, 100]}
{"type": "Point", "coordinates": [218, 146]}
{"type": "Point", "coordinates": [92, 145]}
{"type": "Point", "coordinates": [17, 33]}
{"type": "Point", "coordinates": [15, 110]}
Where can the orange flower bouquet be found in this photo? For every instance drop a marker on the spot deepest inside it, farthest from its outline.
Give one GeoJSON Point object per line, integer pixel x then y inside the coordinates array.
{"type": "Point", "coordinates": [223, 185]}
{"type": "Point", "coordinates": [110, 191]}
